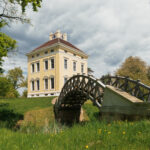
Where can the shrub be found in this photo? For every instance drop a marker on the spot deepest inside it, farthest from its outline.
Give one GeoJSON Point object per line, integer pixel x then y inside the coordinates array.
{"type": "Point", "coordinates": [24, 94]}
{"type": "Point", "coordinates": [6, 88]}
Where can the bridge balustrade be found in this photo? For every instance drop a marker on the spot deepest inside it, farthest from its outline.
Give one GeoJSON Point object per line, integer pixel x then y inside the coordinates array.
{"type": "Point", "coordinates": [133, 87]}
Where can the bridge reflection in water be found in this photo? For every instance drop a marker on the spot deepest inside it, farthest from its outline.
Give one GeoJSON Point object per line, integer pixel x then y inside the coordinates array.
{"type": "Point", "coordinates": [80, 88]}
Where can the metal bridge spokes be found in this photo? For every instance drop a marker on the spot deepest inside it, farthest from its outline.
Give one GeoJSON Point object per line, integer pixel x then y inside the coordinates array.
{"type": "Point", "coordinates": [78, 89]}
{"type": "Point", "coordinates": [133, 87]}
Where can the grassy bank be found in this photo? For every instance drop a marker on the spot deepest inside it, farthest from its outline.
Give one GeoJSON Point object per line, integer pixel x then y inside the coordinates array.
{"type": "Point", "coordinates": [13, 110]}
{"type": "Point", "coordinates": [93, 135]}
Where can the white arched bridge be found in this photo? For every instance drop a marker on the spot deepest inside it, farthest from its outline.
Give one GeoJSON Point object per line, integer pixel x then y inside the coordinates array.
{"type": "Point", "coordinates": [80, 88]}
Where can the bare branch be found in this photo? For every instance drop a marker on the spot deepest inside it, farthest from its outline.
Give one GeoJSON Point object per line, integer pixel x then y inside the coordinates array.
{"type": "Point", "coordinates": [14, 17]}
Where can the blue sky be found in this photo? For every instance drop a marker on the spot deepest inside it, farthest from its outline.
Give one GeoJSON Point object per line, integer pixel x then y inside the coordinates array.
{"type": "Point", "coordinates": [108, 31]}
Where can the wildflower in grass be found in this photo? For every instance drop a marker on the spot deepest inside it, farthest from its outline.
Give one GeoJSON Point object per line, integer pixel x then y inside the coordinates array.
{"type": "Point", "coordinates": [105, 130]}
{"type": "Point", "coordinates": [109, 132]}
{"type": "Point", "coordinates": [139, 132]}
{"type": "Point", "coordinates": [86, 146]}
{"type": "Point", "coordinates": [131, 123]}
{"type": "Point", "coordinates": [109, 124]}
{"type": "Point", "coordinates": [119, 122]}
{"type": "Point", "coordinates": [114, 122]}
{"type": "Point", "coordinates": [100, 131]}
{"type": "Point", "coordinates": [49, 140]}
{"type": "Point", "coordinates": [123, 132]}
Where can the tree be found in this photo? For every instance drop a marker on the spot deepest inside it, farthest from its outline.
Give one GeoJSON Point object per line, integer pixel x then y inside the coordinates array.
{"type": "Point", "coordinates": [16, 77]}
{"type": "Point", "coordinates": [6, 44]}
{"type": "Point", "coordinates": [5, 86]}
{"type": "Point", "coordinates": [13, 10]}
{"type": "Point", "coordinates": [148, 72]}
{"type": "Point", "coordinates": [25, 93]}
{"type": "Point", "coordinates": [90, 71]}
{"type": "Point", "coordinates": [135, 68]}
{"type": "Point", "coordinates": [24, 83]}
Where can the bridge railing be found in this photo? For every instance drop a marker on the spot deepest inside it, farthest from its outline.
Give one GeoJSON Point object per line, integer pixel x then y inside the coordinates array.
{"type": "Point", "coordinates": [85, 87]}
{"type": "Point", "coordinates": [133, 87]}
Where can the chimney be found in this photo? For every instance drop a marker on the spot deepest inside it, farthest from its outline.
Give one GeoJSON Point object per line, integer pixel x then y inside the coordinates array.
{"type": "Point", "coordinates": [51, 36]}
{"type": "Point", "coordinates": [65, 36]}
{"type": "Point", "coordinates": [58, 34]}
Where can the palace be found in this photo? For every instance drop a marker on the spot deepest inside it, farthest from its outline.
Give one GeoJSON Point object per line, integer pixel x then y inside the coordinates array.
{"type": "Point", "coordinates": [52, 64]}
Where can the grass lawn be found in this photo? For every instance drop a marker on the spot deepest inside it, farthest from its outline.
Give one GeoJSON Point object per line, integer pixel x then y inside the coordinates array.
{"type": "Point", "coordinates": [22, 105]}
{"type": "Point", "coordinates": [42, 135]}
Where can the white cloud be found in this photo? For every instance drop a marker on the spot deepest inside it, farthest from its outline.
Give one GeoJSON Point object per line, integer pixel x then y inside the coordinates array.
{"type": "Point", "coordinates": [109, 31]}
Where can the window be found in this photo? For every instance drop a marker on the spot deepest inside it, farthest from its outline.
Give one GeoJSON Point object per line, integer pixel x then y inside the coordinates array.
{"type": "Point", "coordinates": [46, 84]}
{"type": "Point", "coordinates": [38, 66]}
{"type": "Point", "coordinates": [37, 55]}
{"type": "Point", "coordinates": [65, 63]}
{"type": "Point", "coordinates": [65, 80]}
{"type": "Point", "coordinates": [52, 82]}
{"type": "Point", "coordinates": [82, 68]}
{"type": "Point", "coordinates": [74, 54]}
{"type": "Point", "coordinates": [65, 51]}
{"type": "Point", "coordinates": [46, 64]}
{"type": "Point", "coordinates": [52, 63]}
{"type": "Point", "coordinates": [38, 85]}
{"type": "Point", "coordinates": [32, 84]}
{"type": "Point", "coordinates": [74, 66]}
{"type": "Point", "coordinates": [52, 50]}
{"type": "Point", "coordinates": [46, 52]}
{"type": "Point", "coordinates": [32, 68]}
{"type": "Point", "coordinates": [32, 56]}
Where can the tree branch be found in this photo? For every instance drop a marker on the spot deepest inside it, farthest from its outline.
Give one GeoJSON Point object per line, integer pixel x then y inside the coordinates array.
{"type": "Point", "coordinates": [10, 17]}
{"type": "Point", "coordinates": [15, 18]}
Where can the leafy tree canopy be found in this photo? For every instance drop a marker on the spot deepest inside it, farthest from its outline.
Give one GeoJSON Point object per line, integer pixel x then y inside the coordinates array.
{"type": "Point", "coordinates": [24, 83]}
{"type": "Point", "coordinates": [6, 44]}
{"type": "Point", "coordinates": [135, 68]}
{"type": "Point", "coordinates": [90, 71]}
{"type": "Point", "coordinates": [16, 77]}
{"type": "Point", "coordinates": [148, 72]}
{"type": "Point", "coordinates": [13, 10]}
{"type": "Point", "coordinates": [5, 86]}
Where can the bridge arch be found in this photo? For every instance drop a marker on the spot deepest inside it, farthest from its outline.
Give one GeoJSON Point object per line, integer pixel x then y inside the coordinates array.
{"type": "Point", "coordinates": [74, 93]}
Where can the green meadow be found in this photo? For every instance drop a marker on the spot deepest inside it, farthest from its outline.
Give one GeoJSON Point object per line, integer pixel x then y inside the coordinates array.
{"type": "Point", "coordinates": [29, 124]}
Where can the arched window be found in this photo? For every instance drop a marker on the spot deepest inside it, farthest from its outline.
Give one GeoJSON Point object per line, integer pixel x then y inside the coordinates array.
{"type": "Point", "coordinates": [46, 83]}
{"type": "Point", "coordinates": [38, 84]}
{"type": "Point", "coordinates": [32, 84]}
{"type": "Point", "coordinates": [65, 79]}
{"type": "Point", "coordinates": [52, 82]}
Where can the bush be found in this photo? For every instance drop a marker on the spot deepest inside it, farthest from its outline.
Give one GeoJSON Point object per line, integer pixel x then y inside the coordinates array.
{"type": "Point", "coordinates": [24, 94]}
{"type": "Point", "coordinates": [12, 93]}
{"type": "Point", "coordinates": [6, 88]}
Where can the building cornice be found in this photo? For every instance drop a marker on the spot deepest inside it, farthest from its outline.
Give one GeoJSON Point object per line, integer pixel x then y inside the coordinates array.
{"type": "Point", "coordinates": [58, 44]}
{"type": "Point", "coordinates": [41, 49]}
{"type": "Point", "coordinates": [73, 50]}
